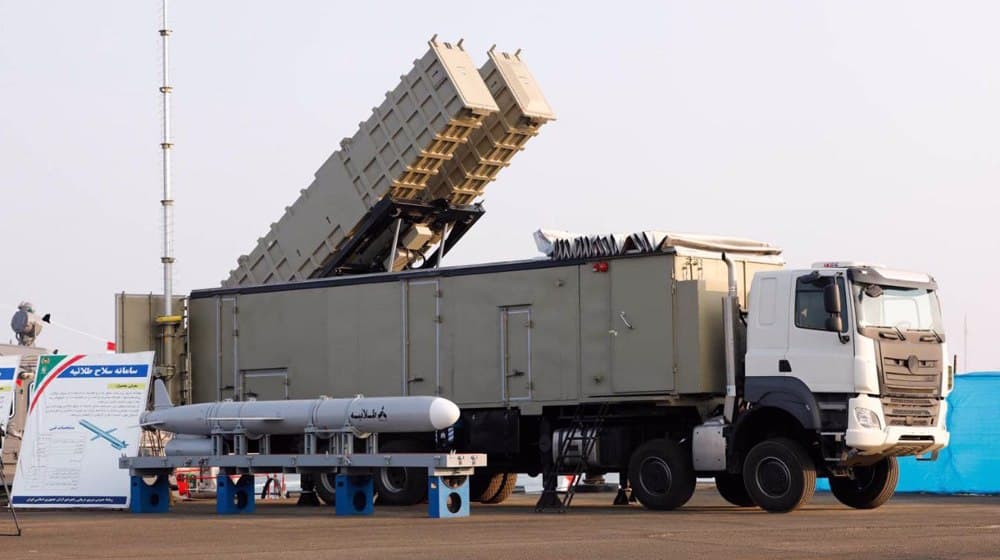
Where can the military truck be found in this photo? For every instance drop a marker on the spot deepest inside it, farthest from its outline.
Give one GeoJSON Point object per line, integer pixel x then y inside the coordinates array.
{"type": "Point", "coordinates": [661, 357]}
{"type": "Point", "coordinates": [662, 365]}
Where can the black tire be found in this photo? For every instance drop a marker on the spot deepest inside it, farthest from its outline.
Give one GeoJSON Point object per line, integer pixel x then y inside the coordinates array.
{"type": "Point", "coordinates": [500, 487]}
{"type": "Point", "coordinates": [779, 475]}
{"type": "Point", "coordinates": [325, 486]}
{"type": "Point", "coordinates": [479, 481]}
{"type": "Point", "coordinates": [661, 475]}
{"type": "Point", "coordinates": [871, 486]}
{"type": "Point", "coordinates": [401, 486]}
{"type": "Point", "coordinates": [732, 489]}
{"type": "Point", "coordinates": [308, 496]}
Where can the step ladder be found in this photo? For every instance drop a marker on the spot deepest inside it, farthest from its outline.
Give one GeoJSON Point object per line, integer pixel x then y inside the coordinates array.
{"type": "Point", "coordinates": [574, 448]}
{"type": "Point", "coordinates": [5, 488]}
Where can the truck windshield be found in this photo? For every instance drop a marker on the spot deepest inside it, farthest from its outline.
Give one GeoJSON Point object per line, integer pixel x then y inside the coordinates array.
{"type": "Point", "coordinates": [914, 309]}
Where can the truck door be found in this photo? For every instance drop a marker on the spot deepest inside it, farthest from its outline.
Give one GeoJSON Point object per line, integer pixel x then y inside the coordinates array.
{"type": "Point", "coordinates": [421, 338]}
{"type": "Point", "coordinates": [515, 357]}
{"type": "Point", "coordinates": [822, 359]}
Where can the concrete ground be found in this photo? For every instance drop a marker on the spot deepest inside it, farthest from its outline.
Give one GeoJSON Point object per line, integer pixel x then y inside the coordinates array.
{"type": "Point", "coordinates": [707, 528]}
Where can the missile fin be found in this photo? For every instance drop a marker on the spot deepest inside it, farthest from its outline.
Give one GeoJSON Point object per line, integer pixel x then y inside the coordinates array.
{"type": "Point", "coordinates": [161, 398]}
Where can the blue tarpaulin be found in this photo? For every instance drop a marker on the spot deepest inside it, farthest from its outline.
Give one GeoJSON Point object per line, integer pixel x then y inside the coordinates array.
{"type": "Point", "coordinates": [971, 462]}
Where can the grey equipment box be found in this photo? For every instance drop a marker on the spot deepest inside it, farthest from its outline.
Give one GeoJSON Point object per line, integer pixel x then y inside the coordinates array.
{"type": "Point", "coordinates": [525, 334]}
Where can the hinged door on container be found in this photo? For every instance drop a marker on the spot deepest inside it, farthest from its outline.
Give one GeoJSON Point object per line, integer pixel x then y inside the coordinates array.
{"type": "Point", "coordinates": [421, 338]}
{"type": "Point", "coordinates": [226, 347]}
{"type": "Point", "coordinates": [641, 330]}
{"type": "Point", "coordinates": [515, 359]}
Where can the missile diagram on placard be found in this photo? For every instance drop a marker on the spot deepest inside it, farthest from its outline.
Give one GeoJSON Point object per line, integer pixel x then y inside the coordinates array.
{"type": "Point", "coordinates": [101, 433]}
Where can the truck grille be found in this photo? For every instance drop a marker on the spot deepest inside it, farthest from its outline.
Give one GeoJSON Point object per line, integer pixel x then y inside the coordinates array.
{"type": "Point", "coordinates": [923, 378]}
{"type": "Point", "coordinates": [908, 450]}
{"type": "Point", "coordinates": [904, 411]}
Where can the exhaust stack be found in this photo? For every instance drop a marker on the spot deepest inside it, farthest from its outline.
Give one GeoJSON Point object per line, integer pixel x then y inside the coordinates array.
{"type": "Point", "coordinates": [730, 306]}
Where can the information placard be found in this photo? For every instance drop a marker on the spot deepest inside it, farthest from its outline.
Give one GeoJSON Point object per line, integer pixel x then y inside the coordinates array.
{"type": "Point", "coordinates": [83, 414]}
{"type": "Point", "coordinates": [8, 375]}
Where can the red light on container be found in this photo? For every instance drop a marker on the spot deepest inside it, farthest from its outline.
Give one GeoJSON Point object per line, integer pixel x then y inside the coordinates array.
{"type": "Point", "coordinates": [601, 266]}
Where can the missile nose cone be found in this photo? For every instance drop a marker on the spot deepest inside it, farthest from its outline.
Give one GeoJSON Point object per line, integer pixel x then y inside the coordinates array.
{"type": "Point", "coordinates": [443, 413]}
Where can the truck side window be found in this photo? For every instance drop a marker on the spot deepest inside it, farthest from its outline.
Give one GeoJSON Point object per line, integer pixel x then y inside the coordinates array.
{"type": "Point", "coordinates": [810, 312]}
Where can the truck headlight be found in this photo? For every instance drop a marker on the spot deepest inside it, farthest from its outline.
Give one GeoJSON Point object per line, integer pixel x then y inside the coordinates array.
{"type": "Point", "coordinates": [867, 418]}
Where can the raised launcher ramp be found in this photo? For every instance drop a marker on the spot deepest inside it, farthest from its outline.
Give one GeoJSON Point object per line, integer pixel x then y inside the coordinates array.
{"type": "Point", "coordinates": [405, 183]}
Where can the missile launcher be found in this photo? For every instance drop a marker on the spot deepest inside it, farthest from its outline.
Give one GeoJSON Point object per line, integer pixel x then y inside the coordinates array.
{"type": "Point", "coordinates": [401, 191]}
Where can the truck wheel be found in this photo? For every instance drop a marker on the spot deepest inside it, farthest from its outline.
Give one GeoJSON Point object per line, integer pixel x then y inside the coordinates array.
{"type": "Point", "coordinates": [871, 486]}
{"type": "Point", "coordinates": [661, 475]}
{"type": "Point", "coordinates": [500, 487]}
{"type": "Point", "coordinates": [479, 482]}
{"type": "Point", "coordinates": [401, 486]}
{"type": "Point", "coordinates": [325, 487]}
{"type": "Point", "coordinates": [732, 489]}
{"type": "Point", "coordinates": [779, 475]}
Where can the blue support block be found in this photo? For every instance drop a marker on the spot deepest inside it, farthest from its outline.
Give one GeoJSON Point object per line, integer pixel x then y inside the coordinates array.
{"type": "Point", "coordinates": [447, 496]}
{"type": "Point", "coordinates": [150, 498]}
{"type": "Point", "coordinates": [355, 494]}
{"type": "Point", "coordinates": [231, 498]}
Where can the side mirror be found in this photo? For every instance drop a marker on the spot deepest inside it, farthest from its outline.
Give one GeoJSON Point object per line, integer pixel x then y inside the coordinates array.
{"type": "Point", "coordinates": [834, 323]}
{"type": "Point", "coordinates": [831, 299]}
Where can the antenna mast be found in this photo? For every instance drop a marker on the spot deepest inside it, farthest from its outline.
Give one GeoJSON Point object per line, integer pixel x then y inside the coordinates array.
{"type": "Point", "coordinates": [167, 201]}
{"type": "Point", "coordinates": [172, 319]}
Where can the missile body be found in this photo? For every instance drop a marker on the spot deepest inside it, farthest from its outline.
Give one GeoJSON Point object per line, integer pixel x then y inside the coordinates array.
{"type": "Point", "coordinates": [260, 418]}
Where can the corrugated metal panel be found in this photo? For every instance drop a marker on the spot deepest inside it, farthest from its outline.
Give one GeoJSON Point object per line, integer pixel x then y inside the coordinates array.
{"type": "Point", "coordinates": [561, 245]}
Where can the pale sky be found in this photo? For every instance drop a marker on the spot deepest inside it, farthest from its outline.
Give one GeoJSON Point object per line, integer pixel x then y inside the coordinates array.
{"type": "Point", "coordinates": [840, 130]}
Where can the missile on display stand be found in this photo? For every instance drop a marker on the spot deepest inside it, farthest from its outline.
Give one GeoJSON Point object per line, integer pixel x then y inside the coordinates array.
{"type": "Point", "coordinates": [288, 417]}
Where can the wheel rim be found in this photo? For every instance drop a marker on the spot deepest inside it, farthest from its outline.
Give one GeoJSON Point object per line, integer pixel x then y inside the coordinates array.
{"type": "Point", "coordinates": [773, 477]}
{"type": "Point", "coordinates": [394, 479]}
{"type": "Point", "coordinates": [327, 481]}
{"type": "Point", "coordinates": [864, 477]}
{"type": "Point", "coordinates": [655, 476]}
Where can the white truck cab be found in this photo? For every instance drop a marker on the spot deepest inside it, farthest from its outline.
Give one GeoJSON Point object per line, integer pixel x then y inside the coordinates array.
{"type": "Point", "coordinates": [850, 361]}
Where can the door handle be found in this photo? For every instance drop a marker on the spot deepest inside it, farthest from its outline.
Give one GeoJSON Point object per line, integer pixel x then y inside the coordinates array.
{"type": "Point", "coordinates": [516, 373]}
{"type": "Point", "coordinates": [784, 366]}
{"type": "Point", "coordinates": [625, 320]}
{"type": "Point", "coordinates": [415, 380]}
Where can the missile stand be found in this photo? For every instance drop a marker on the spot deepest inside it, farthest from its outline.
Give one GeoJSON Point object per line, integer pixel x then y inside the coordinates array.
{"type": "Point", "coordinates": [448, 473]}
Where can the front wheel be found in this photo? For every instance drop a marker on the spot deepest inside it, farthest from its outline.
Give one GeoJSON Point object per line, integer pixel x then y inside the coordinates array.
{"type": "Point", "coordinates": [779, 475]}
{"type": "Point", "coordinates": [870, 487]}
{"type": "Point", "coordinates": [732, 489]}
{"type": "Point", "coordinates": [661, 475]}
